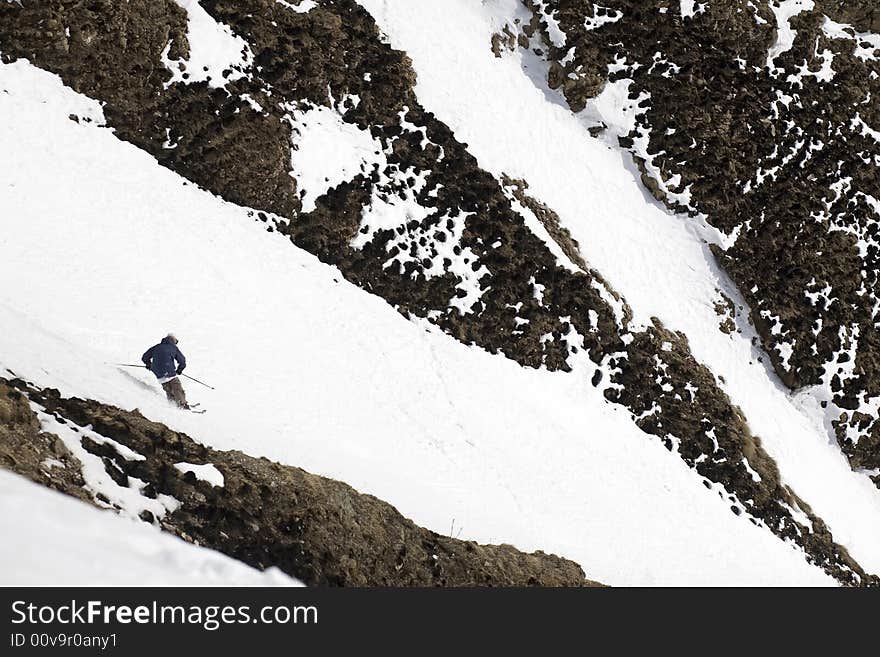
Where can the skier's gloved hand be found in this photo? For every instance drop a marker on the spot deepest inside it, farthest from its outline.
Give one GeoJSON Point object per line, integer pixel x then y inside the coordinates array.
{"type": "Point", "coordinates": [147, 365]}
{"type": "Point", "coordinates": [180, 370]}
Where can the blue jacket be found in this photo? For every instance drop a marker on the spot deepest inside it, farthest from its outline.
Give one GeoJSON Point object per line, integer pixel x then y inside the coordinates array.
{"type": "Point", "coordinates": [160, 359]}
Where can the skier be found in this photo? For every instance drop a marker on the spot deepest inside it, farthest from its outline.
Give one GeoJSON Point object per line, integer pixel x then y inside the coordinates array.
{"type": "Point", "coordinates": [160, 360]}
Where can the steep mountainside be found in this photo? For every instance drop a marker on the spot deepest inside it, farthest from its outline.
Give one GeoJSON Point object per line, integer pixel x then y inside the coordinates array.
{"type": "Point", "coordinates": [757, 117]}
{"type": "Point", "coordinates": [306, 113]}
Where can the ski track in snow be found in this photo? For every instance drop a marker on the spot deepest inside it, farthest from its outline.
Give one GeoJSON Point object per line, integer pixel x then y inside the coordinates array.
{"type": "Point", "coordinates": [104, 251]}
{"type": "Point", "coordinates": [658, 261]}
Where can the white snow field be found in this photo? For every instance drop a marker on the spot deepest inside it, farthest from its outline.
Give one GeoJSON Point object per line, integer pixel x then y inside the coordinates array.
{"type": "Point", "coordinates": [660, 262]}
{"type": "Point", "coordinates": [51, 539]}
{"type": "Point", "coordinates": [102, 251]}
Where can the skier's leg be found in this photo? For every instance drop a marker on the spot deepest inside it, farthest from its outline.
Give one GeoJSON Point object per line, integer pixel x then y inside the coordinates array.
{"type": "Point", "coordinates": [169, 391]}
{"type": "Point", "coordinates": [179, 394]}
{"type": "Point", "coordinates": [174, 392]}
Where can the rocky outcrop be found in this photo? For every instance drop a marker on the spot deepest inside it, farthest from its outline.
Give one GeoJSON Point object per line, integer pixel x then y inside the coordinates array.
{"type": "Point", "coordinates": [776, 145]}
{"type": "Point", "coordinates": [464, 258]}
{"type": "Point", "coordinates": [864, 15]}
{"type": "Point", "coordinates": [27, 450]}
{"type": "Point", "coordinates": [319, 530]}
{"type": "Point", "coordinates": [114, 51]}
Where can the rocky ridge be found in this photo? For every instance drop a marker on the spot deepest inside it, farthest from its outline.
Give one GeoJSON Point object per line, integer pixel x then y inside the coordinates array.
{"type": "Point", "coordinates": [757, 116]}
{"type": "Point", "coordinates": [318, 530]}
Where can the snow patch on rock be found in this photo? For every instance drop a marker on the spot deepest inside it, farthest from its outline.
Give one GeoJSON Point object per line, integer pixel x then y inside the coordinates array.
{"type": "Point", "coordinates": [127, 500]}
{"type": "Point", "coordinates": [784, 11]}
{"type": "Point", "coordinates": [207, 472]}
{"type": "Point", "coordinates": [216, 55]}
{"type": "Point", "coordinates": [303, 6]}
{"type": "Point", "coordinates": [327, 151]}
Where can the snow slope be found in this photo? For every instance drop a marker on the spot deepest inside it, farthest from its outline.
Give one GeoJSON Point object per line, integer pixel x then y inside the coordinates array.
{"type": "Point", "coordinates": [103, 251]}
{"type": "Point", "coordinates": [49, 539]}
{"type": "Point", "coordinates": [660, 262]}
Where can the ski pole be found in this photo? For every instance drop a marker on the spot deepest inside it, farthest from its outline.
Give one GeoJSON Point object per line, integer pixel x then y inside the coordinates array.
{"type": "Point", "coordinates": [197, 381]}
{"type": "Point", "coordinates": [141, 366]}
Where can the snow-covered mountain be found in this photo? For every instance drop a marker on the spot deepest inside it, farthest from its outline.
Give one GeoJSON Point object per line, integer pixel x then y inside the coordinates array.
{"type": "Point", "coordinates": [758, 119]}
{"type": "Point", "coordinates": [508, 266]}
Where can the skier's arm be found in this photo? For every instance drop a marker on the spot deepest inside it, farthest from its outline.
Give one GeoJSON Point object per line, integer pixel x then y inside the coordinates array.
{"type": "Point", "coordinates": [181, 361]}
{"type": "Point", "coordinates": [148, 356]}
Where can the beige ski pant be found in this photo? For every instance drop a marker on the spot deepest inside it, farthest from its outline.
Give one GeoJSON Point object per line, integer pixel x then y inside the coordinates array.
{"type": "Point", "coordinates": [174, 390]}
